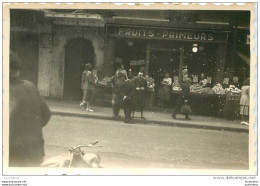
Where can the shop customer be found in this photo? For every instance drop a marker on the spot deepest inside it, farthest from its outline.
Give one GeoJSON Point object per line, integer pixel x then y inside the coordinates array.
{"type": "Point", "coordinates": [88, 87]}
{"type": "Point", "coordinates": [139, 94]}
{"type": "Point", "coordinates": [184, 98]}
{"type": "Point", "coordinates": [117, 94]}
{"type": "Point", "coordinates": [165, 91]}
{"type": "Point", "coordinates": [128, 89]}
{"type": "Point", "coordinates": [244, 102]}
{"type": "Point", "coordinates": [28, 114]}
{"type": "Point", "coordinates": [92, 81]}
{"type": "Point", "coordinates": [84, 85]}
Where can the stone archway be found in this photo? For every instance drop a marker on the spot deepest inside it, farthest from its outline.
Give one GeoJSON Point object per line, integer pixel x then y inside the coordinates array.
{"type": "Point", "coordinates": [58, 55]}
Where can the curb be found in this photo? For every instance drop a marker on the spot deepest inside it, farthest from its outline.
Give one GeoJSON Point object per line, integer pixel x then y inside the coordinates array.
{"type": "Point", "coordinates": [164, 123]}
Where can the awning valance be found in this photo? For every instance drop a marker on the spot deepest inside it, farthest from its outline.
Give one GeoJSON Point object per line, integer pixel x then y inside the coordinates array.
{"type": "Point", "coordinates": [93, 20]}
{"type": "Point", "coordinates": [245, 58]}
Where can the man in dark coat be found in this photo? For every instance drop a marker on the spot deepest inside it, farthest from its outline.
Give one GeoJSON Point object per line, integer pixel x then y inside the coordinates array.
{"type": "Point", "coordinates": [139, 94]}
{"type": "Point", "coordinates": [28, 114]}
{"type": "Point", "coordinates": [128, 89]}
{"type": "Point", "coordinates": [117, 96]}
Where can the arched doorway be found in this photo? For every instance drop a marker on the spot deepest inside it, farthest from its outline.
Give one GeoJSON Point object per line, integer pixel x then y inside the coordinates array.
{"type": "Point", "coordinates": [78, 52]}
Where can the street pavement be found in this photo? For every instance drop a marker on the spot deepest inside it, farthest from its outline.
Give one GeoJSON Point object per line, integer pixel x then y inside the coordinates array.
{"type": "Point", "coordinates": [148, 146]}
{"type": "Point", "coordinates": [71, 108]}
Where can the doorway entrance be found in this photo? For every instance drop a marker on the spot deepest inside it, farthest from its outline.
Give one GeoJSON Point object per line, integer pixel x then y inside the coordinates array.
{"type": "Point", "coordinates": [78, 52]}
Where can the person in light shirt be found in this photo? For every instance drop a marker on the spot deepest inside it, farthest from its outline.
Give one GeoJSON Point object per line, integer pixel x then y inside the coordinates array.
{"type": "Point", "coordinates": [165, 91]}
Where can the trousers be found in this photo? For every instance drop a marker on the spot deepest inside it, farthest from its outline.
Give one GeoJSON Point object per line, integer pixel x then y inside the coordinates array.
{"type": "Point", "coordinates": [116, 103]}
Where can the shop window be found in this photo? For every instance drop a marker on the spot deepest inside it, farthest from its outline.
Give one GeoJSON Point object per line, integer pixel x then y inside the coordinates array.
{"type": "Point", "coordinates": [130, 53]}
{"type": "Point", "coordinates": [200, 61]}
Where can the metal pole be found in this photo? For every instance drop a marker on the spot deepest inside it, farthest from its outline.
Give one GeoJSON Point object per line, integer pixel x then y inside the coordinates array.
{"type": "Point", "coordinates": [147, 57]}
{"type": "Point", "coordinates": [181, 62]}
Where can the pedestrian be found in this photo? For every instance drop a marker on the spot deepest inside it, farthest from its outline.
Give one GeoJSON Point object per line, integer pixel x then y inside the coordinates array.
{"type": "Point", "coordinates": [117, 95]}
{"type": "Point", "coordinates": [128, 89]}
{"type": "Point", "coordinates": [244, 102]}
{"type": "Point", "coordinates": [84, 85]}
{"type": "Point", "coordinates": [28, 114]}
{"type": "Point", "coordinates": [165, 91]}
{"type": "Point", "coordinates": [139, 93]}
{"type": "Point", "coordinates": [183, 99]}
{"type": "Point", "coordinates": [92, 81]}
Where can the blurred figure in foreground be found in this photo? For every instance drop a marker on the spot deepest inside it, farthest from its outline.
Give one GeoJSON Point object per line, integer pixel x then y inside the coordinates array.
{"type": "Point", "coordinates": [28, 114]}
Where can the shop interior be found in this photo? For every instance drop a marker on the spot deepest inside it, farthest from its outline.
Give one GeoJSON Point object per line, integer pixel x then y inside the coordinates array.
{"type": "Point", "coordinates": [165, 58]}
{"type": "Point", "coordinates": [200, 60]}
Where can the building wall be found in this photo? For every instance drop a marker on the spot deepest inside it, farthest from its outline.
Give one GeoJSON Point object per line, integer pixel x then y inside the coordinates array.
{"type": "Point", "coordinates": [52, 54]}
{"type": "Point", "coordinates": [109, 56]}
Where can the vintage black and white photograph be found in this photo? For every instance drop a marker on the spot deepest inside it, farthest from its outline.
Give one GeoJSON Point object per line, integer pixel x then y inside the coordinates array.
{"type": "Point", "coordinates": [133, 88]}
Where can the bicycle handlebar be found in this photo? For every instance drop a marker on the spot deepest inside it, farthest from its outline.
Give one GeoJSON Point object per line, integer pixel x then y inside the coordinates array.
{"type": "Point", "coordinates": [89, 145]}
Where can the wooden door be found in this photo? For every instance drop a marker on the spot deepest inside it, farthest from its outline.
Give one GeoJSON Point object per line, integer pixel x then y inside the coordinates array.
{"type": "Point", "coordinates": [78, 52]}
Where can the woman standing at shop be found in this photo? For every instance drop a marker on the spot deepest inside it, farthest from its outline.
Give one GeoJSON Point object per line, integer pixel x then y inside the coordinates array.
{"type": "Point", "coordinates": [165, 91]}
{"type": "Point", "coordinates": [244, 102]}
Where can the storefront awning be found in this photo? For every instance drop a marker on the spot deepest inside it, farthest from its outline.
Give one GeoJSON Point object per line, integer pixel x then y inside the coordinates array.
{"type": "Point", "coordinates": [80, 19]}
{"type": "Point", "coordinates": [245, 58]}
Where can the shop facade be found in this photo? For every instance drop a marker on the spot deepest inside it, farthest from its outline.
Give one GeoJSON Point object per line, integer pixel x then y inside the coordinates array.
{"type": "Point", "coordinates": [60, 43]}
{"type": "Point", "coordinates": [140, 44]}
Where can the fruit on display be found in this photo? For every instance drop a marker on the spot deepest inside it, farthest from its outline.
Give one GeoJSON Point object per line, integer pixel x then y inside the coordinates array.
{"type": "Point", "coordinates": [206, 90]}
{"type": "Point", "coordinates": [218, 89]}
{"type": "Point", "coordinates": [233, 89]}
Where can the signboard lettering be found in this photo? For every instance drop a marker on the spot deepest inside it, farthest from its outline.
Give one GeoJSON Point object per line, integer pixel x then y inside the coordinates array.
{"type": "Point", "coordinates": [166, 33]}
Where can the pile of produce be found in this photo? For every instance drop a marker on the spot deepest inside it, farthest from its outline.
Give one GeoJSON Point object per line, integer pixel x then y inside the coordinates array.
{"type": "Point", "coordinates": [233, 89]}
{"type": "Point", "coordinates": [176, 86]}
{"type": "Point", "coordinates": [196, 88]}
{"type": "Point", "coordinates": [211, 91]}
{"type": "Point", "coordinates": [218, 89]}
{"type": "Point", "coordinates": [206, 90]}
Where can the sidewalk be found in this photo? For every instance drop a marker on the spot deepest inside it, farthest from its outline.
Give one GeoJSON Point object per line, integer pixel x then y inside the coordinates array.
{"type": "Point", "coordinates": [71, 108]}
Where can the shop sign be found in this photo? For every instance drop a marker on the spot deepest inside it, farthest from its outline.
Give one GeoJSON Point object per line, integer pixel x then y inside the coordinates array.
{"type": "Point", "coordinates": [195, 79]}
{"type": "Point", "coordinates": [166, 33]}
{"type": "Point", "coordinates": [209, 80]}
{"type": "Point", "coordinates": [225, 81]}
{"type": "Point", "coordinates": [175, 78]}
{"type": "Point", "coordinates": [137, 62]}
{"type": "Point", "coordinates": [235, 79]}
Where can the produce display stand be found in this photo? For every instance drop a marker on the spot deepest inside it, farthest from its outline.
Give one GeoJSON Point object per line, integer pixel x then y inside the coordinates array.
{"type": "Point", "coordinates": [231, 109]}
{"type": "Point", "coordinates": [204, 104]}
